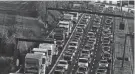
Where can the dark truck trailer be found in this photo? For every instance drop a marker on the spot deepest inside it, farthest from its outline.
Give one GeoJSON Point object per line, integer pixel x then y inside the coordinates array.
{"type": "Point", "coordinates": [59, 35]}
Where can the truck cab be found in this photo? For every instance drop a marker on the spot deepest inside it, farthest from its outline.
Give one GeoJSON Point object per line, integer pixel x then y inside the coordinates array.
{"type": "Point", "coordinates": [67, 25]}
{"type": "Point", "coordinates": [51, 48]}
{"type": "Point", "coordinates": [59, 35]}
{"type": "Point", "coordinates": [44, 52]}
{"type": "Point", "coordinates": [34, 63]}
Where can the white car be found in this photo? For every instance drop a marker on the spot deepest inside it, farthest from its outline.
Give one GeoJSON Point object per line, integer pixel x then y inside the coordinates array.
{"type": "Point", "coordinates": [73, 44]}
{"type": "Point", "coordinates": [83, 62]}
{"type": "Point", "coordinates": [63, 63]}
{"type": "Point", "coordinates": [85, 53]}
{"type": "Point", "coordinates": [103, 63]}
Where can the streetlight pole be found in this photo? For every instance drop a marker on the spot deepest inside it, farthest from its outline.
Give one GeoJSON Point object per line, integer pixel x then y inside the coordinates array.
{"type": "Point", "coordinates": [121, 10]}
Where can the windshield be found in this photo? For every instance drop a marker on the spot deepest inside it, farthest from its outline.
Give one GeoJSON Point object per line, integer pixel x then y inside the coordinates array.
{"type": "Point", "coordinates": [106, 55]}
{"type": "Point", "coordinates": [106, 39]}
{"type": "Point", "coordinates": [85, 52]}
{"type": "Point", "coordinates": [73, 44]}
{"type": "Point", "coordinates": [66, 57]}
{"type": "Point", "coordinates": [100, 70]}
{"type": "Point", "coordinates": [58, 36]}
{"type": "Point", "coordinates": [71, 48]}
{"type": "Point", "coordinates": [74, 14]}
{"type": "Point", "coordinates": [82, 69]}
{"type": "Point", "coordinates": [106, 48]}
{"type": "Point", "coordinates": [62, 24]}
{"type": "Point", "coordinates": [59, 67]}
{"type": "Point", "coordinates": [90, 34]}
{"type": "Point", "coordinates": [31, 64]}
{"type": "Point", "coordinates": [58, 30]}
{"type": "Point", "coordinates": [83, 60]}
{"type": "Point", "coordinates": [62, 62]}
{"type": "Point", "coordinates": [58, 72]}
{"type": "Point", "coordinates": [103, 61]}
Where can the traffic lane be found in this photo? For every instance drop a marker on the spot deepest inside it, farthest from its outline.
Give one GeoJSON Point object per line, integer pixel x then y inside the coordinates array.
{"type": "Point", "coordinates": [65, 47]}
{"type": "Point", "coordinates": [55, 57]}
{"type": "Point", "coordinates": [98, 50]}
{"type": "Point", "coordinates": [74, 67]}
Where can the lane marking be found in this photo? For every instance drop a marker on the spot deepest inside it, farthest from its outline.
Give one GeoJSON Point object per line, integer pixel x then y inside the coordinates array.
{"type": "Point", "coordinates": [65, 46]}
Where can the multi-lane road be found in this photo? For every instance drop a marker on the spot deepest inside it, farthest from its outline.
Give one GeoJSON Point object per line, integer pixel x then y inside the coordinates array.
{"type": "Point", "coordinates": [97, 51]}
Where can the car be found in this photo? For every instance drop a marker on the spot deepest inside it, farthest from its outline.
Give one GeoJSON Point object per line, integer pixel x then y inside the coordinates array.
{"type": "Point", "coordinates": [106, 42]}
{"type": "Point", "coordinates": [78, 35]}
{"type": "Point", "coordinates": [68, 57]}
{"type": "Point", "coordinates": [79, 73]}
{"type": "Point", "coordinates": [97, 20]}
{"type": "Point", "coordinates": [103, 63]}
{"type": "Point", "coordinates": [82, 70]}
{"type": "Point", "coordinates": [83, 62]}
{"type": "Point", "coordinates": [73, 44]}
{"type": "Point", "coordinates": [110, 18]}
{"type": "Point", "coordinates": [75, 40]}
{"type": "Point", "coordinates": [107, 32]}
{"type": "Point", "coordinates": [63, 63]}
{"type": "Point", "coordinates": [79, 30]}
{"type": "Point", "coordinates": [88, 16]}
{"type": "Point", "coordinates": [105, 45]}
{"type": "Point", "coordinates": [92, 39]}
{"type": "Point", "coordinates": [83, 26]}
{"type": "Point", "coordinates": [105, 38]}
{"type": "Point", "coordinates": [108, 22]}
{"type": "Point", "coordinates": [89, 47]}
{"type": "Point", "coordinates": [106, 55]}
{"type": "Point", "coordinates": [94, 29]}
{"type": "Point", "coordinates": [59, 70]}
{"type": "Point", "coordinates": [101, 71]}
{"type": "Point", "coordinates": [72, 49]}
{"type": "Point", "coordinates": [91, 34]}
{"type": "Point", "coordinates": [85, 53]}
{"type": "Point", "coordinates": [84, 21]}
{"type": "Point", "coordinates": [69, 52]}
{"type": "Point", "coordinates": [106, 49]}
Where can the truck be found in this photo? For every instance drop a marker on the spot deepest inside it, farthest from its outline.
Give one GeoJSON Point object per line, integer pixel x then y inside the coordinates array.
{"type": "Point", "coordinates": [59, 35]}
{"type": "Point", "coordinates": [67, 25]}
{"type": "Point", "coordinates": [75, 16]}
{"type": "Point", "coordinates": [51, 48]}
{"type": "Point", "coordinates": [34, 63]}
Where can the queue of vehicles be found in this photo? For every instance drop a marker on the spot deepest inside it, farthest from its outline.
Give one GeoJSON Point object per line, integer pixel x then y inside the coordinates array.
{"type": "Point", "coordinates": [68, 55]}
{"type": "Point", "coordinates": [106, 39]}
